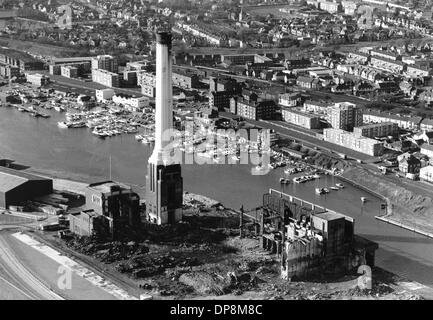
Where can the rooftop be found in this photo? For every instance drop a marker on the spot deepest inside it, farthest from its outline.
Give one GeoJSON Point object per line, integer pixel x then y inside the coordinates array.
{"type": "Point", "coordinates": [107, 186]}
{"type": "Point", "coordinates": [10, 178]}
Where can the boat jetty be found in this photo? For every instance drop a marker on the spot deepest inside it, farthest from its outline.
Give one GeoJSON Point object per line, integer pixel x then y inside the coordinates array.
{"type": "Point", "coordinates": [107, 122]}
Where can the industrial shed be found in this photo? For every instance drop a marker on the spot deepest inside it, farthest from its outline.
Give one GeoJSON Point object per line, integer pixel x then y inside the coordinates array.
{"type": "Point", "coordinates": [18, 186]}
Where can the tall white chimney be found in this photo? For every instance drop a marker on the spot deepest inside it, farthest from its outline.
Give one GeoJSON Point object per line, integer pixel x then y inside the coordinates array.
{"type": "Point", "coordinates": [164, 183]}
{"type": "Point", "coordinates": [164, 96]}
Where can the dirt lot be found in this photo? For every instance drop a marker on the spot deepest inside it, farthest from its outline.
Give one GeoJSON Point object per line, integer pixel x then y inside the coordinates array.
{"type": "Point", "coordinates": [204, 258]}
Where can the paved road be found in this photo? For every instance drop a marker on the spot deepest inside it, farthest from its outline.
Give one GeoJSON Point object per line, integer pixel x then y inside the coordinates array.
{"type": "Point", "coordinates": [20, 281]}
{"type": "Point", "coordinates": [27, 273]}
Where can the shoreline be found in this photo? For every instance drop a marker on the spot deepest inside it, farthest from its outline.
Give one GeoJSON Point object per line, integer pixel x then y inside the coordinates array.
{"type": "Point", "coordinates": [398, 214]}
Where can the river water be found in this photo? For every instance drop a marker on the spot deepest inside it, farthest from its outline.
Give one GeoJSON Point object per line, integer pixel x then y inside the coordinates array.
{"type": "Point", "coordinates": [41, 144]}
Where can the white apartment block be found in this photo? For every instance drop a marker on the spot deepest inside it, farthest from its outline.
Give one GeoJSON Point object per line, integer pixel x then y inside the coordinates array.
{"type": "Point", "coordinates": [349, 140]}
{"type": "Point", "coordinates": [37, 79]}
{"type": "Point", "coordinates": [104, 95]}
{"type": "Point", "coordinates": [374, 130]}
{"type": "Point", "coordinates": [106, 78]}
{"type": "Point", "coordinates": [69, 71]}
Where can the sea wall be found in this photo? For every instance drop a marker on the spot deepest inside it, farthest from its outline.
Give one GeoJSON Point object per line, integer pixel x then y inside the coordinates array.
{"type": "Point", "coordinates": [407, 206]}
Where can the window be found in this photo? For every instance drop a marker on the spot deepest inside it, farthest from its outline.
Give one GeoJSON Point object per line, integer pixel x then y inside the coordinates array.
{"type": "Point", "coordinates": [96, 199]}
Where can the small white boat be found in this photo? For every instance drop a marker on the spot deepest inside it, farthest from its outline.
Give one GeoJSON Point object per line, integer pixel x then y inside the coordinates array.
{"type": "Point", "coordinates": [335, 188]}
{"type": "Point", "coordinates": [63, 125]}
{"type": "Point", "coordinates": [284, 181]}
{"type": "Point", "coordinates": [298, 180]}
{"type": "Point", "coordinates": [325, 190]}
{"type": "Point", "coordinates": [339, 185]}
{"type": "Point", "coordinates": [319, 191]}
{"type": "Point", "coordinates": [363, 199]}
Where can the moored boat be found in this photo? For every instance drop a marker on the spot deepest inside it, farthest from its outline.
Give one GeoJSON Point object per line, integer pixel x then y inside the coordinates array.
{"type": "Point", "coordinates": [63, 124]}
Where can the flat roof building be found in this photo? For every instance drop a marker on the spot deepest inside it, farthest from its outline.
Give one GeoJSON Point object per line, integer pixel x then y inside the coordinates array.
{"type": "Point", "coordinates": [352, 141]}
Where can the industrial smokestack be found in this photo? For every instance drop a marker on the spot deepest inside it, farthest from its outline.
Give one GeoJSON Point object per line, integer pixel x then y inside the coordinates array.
{"type": "Point", "coordinates": [164, 183]}
{"type": "Point", "coordinates": [164, 96]}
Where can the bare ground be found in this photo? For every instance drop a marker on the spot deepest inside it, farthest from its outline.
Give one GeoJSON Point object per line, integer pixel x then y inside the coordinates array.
{"type": "Point", "coordinates": [206, 259]}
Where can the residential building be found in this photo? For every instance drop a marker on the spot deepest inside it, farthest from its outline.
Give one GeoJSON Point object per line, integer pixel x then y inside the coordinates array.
{"type": "Point", "coordinates": [225, 84]}
{"type": "Point", "coordinates": [105, 62]}
{"type": "Point", "coordinates": [330, 6]}
{"type": "Point", "coordinates": [220, 100]}
{"type": "Point", "coordinates": [106, 78]}
{"type": "Point", "coordinates": [37, 79]}
{"type": "Point", "coordinates": [8, 71]}
{"type": "Point", "coordinates": [147, 81]}
{"type": "Point", "coordinates": [427, 149]}
{"type": "Point", "coordinates": [316, 107]}
{"type": "Point", "coordinates": [385, 55]}
{"type": "Point", "coordinates": [242, 59]}
{"type": "Point", "coordinates": [289, 99]}
{"type": "Point", "coordinates": [185, 80]}
{"type": "Point", "coordinates": [417, 71]}
{"type": "Point", "coordinates": [69, 71]}
{"type": "Point", "coordinates": [345, 116]}
{"type": "Point", "coordinates": [308, 82]}
{"type": "Point", "coordinates": [349, 140]}
{"type": "Point", "coordinates": [393, 66]}
{"type": "Point", "coordinates": [377, 130]}
{"type": "Point", "coordinates": [104, 95]}
{"type": "Point", "coordinates": [426, 124]}
{"type": "Point", "coordinates": [426, 174]}
{"type": "Point", "coordinates": [301, 119]}
{"type": "Point", "coordinates": [404, 122]}
{"type": "Point", "coordinates": [256, 110]}
{"type": "Point", "coordinates": [410, 166]}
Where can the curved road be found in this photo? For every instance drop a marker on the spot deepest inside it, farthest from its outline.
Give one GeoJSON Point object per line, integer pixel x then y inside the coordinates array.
{"type": "Point", "coordinates": [19, 279]}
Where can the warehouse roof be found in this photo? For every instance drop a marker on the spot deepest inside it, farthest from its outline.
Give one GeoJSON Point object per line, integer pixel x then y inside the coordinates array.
{"type": "Point", "coordinates": [10, 178]}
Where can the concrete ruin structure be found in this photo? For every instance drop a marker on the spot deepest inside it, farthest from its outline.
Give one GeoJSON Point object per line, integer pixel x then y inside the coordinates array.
{"type": "Point", "coordinates": [310, 239]}
{"type": "Point", "coordinates": [164, 184]}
